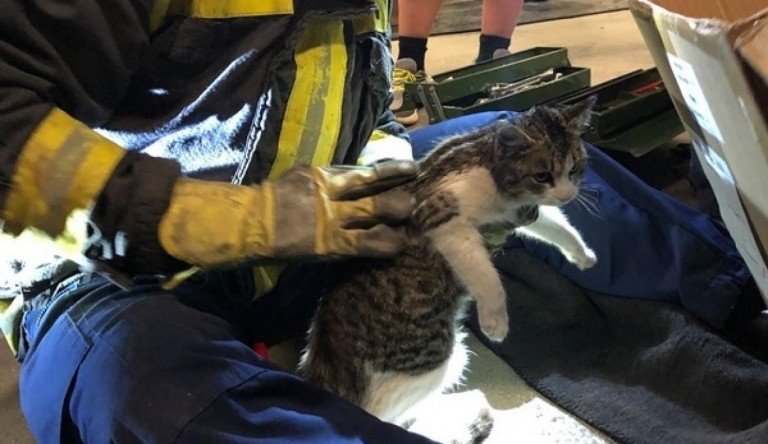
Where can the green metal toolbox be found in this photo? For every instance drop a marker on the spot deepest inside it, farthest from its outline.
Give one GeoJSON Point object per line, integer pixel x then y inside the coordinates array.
{"type": "Point", "coordinates": [532, 76]}
{"type": "Point", "coordinates": [547, 85]}
{"type": "Point", "coordinates": [470, 79]}
{"type": "Point", "coordinates": [634, 113]}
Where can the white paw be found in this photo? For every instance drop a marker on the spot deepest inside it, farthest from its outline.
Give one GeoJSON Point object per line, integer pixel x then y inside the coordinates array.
{"type": "Point", "coordinates": [456, 418]}
{"type": "Point", "coordinates": [584, 260]}
{"type": "Point", "coordinates": [494, 321]}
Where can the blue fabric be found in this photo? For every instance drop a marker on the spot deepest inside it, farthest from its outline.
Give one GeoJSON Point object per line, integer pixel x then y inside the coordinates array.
{"type": "Point", "coordinates": [144, 366]}
{"type": "Point", "coordinates": [648, 244]}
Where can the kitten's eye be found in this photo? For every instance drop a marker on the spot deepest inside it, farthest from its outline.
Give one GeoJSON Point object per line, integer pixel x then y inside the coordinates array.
{"type": "Point", "coordinates": [543, 177]}
{"type": "Point", "coordinates": [575, 170]}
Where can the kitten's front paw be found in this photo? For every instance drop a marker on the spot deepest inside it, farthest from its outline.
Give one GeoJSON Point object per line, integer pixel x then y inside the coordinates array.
{"type": "Point", "coordinates": [584, 260]}
{"type": "Point", "coordinates": [494, 322]}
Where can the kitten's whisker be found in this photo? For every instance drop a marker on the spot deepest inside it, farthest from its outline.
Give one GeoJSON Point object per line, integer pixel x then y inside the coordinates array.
{"type": "Point", "coordinates": [594, 211]}
{"type": "Point", "coordinates": [580, 203]}
{"type": "Point", "coordinates": [590, 188]}
{"type": "Point", "coordinates": [591, 200]}
{"type": "Point", "coordinates": [590, 193]}
{"type": "Point", "coordinates": [587, 209]}
{"type": "Point", "coordinates": [589, 206]}
{"type": "Point", "coordinates": [587, 194]}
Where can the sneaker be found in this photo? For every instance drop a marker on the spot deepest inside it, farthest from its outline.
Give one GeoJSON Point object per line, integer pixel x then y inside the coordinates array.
{"type": "Point", "coordinates": [499, 53]}
{"type": "Point", "coordinates": [405, 72]}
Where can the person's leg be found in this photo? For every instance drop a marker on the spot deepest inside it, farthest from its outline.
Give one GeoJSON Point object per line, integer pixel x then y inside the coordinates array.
{"type": "Point", "coordinates": [143, 366]}
{"type": "Point", "coordinates": [415, 18]}
{"type": "Point", "coordinates": [648, 244]}
{"type": "Point", "coordinates": [497, 25]}
{"type": "Point", "coordinates": [414, 23]}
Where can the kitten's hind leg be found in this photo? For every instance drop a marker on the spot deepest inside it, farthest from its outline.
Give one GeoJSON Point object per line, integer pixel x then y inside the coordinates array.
{"type": "Point", "coordinates": [393, 394]}
{"type": "Point", "coordinates": [457, 418]}
{"type": "Point", "coordinates": [396, 396]}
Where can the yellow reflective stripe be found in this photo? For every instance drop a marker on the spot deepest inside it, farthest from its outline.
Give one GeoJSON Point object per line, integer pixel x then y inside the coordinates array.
{"type": "Point", "coordinates": [265, 278]}
{"type": "Point", "coordinates": [382, 17]}
{"type": "Point", "coordinates": [312, 120]}
{"type": "Point", "coordinates": [333, 99]}
{"type": "Point", "coordinates": [310, 127]}
{"type": "Point", "coordinates": [217, 9]}
{"type": "Point", "coordinates": [157, 14]}
{"type": "Point", "coordinates": [10, 311]}
{"type": "Point", "coordinates": [179, 278]}
{"type": "Point", "coordinates": [378, 21]}
{"type": "Point", "coordinates": [378, 134]}
{"type": "Point", "coordinates": [364, 25]}
{"type": "Point", "coordinates": [62, 168]}
{"type": "Point", "coordinates": [11, 343]}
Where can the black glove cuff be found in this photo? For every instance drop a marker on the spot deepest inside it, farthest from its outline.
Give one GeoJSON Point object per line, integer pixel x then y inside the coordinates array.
{"type": "Point", "coordinates": [124, 222]}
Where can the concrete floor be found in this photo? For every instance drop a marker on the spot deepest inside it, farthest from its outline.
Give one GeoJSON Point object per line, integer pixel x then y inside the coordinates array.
{"type": "Point", "coordinates": [610, 45]}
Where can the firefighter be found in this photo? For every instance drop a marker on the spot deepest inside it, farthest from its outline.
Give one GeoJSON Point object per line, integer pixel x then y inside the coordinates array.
{"type": "Point", "coordinates": [174, 148]}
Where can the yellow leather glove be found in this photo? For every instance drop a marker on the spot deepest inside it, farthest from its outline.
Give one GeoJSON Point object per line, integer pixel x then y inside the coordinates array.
{"type": "Point", "coordinates": [307, 212]}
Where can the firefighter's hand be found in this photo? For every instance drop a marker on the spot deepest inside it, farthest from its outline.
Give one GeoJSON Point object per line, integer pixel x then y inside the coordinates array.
{"type": "Point", "coordinates": [308, 212]}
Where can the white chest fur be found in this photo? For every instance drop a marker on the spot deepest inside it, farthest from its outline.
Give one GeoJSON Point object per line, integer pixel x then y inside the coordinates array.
{"type": "Point", "coordinates": [479, 199]}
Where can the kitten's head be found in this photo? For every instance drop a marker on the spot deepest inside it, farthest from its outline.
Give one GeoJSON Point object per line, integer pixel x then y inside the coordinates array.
{"type": "Point", "coordinates": [539, 158]}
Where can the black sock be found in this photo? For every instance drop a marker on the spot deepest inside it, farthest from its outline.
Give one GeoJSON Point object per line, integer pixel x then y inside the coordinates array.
{"type": "Point", "coordinates": [413, 48]}
{"type": "Point", "coordinates": [489, 44]}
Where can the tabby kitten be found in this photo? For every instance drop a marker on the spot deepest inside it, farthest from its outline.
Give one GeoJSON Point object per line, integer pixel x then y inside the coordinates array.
{"type": "Point", "coordinates": [388, 334]}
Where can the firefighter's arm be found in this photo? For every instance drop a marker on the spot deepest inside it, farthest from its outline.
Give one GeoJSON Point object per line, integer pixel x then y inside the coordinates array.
{"type": "Point", "coordinates": [63, 69]}
{"type": "Point", "coordinates": [147, 218]}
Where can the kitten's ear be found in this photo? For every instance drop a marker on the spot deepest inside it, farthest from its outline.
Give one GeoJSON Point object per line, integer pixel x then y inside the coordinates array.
{"type": "Point", "coordinates": [577, 113]}
{"type": "Point", "coordinates": [511, 140]}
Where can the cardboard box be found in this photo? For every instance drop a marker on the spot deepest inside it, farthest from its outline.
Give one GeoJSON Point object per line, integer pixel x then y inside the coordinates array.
{"type": "Point", "coordinates": [713, 58]}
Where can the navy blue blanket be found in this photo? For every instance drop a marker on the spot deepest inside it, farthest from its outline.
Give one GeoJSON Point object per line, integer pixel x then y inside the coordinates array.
{"type": "Point", "coordinates": [640, 371]}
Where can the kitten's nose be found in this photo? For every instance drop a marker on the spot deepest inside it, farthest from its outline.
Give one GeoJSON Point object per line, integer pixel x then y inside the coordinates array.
{"type": "Point", "coordinates": [564, 194]}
